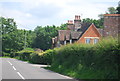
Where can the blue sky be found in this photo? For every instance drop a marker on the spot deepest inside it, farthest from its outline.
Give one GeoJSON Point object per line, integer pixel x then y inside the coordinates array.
{"type": "Point", "coordinates": [30, 13]}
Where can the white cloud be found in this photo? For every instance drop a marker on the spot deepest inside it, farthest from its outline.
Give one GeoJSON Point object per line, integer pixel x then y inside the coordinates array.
{"type": "Point", "coordinates": [31, 13]}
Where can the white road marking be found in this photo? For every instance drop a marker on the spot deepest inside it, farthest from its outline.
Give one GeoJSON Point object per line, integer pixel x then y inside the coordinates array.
{"type": "Point", "coordinates": [20, 75]}
{"type": "Point", "coordinates": [10, 63]}
{"type": "Point", "coordinates": [14, 68]}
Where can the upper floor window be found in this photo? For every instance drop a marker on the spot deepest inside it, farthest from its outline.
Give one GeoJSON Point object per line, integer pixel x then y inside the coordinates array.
{"type": "Point", "coordinates": [88, 40]}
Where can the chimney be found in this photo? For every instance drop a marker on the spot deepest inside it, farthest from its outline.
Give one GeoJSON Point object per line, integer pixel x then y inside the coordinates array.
{"type": "Point", "coordinates": [70, 22]}
{"type": "Point", "coordinates": [77, 17]}
{"type": "Point", "coordinates": [70, 25]}
{"type": "Point", "coordinates": [77, 22]}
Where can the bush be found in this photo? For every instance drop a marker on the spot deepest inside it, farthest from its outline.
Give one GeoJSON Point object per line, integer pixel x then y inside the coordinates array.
{"type": "Point", "coordinates": [5, 54]}
{"type": "Point", "coordinates": [24, 54]}
{"type": "Point", "coordinates": [35, 58]}
{"type": "Point", "coordinates": [83, 61]}
{"type": "Point", "coordinates": [46, 57]}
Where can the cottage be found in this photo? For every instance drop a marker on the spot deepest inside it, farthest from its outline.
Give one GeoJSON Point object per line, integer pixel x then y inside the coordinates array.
{"type": "Point", "coordinates": [77, 32]}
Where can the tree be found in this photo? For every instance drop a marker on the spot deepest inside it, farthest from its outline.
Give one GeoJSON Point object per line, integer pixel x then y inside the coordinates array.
{"type": "Point", "coordinates": [13, 39]}
{"type": "Point", "coordinates": [118, 10]}
{"type": "Point", "coordinates": [98, 23]}
{"type": "Point", "coordinates": [44, 35]}
{"type": "Point", "coordinates": [111, 10]}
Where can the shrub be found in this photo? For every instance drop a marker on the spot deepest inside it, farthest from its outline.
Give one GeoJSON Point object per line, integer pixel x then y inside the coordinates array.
{"type": "Point", "coordinates": [46, 57]}
{"type": "Point", "coordinates": [35, 58]}
{"type": "Point", "coordinates": [99, 61]}
{"type": "Point", "coordinates": [24, 54]}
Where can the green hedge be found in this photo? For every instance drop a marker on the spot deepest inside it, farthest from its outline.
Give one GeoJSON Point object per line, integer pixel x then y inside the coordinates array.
{"type": "Point", "coordinates": [36, 57]}
{"type": "Point", "coordinates": [24, 54]}
{"type": "Point", "coordinates": [46, 57]}
{"type": "Point", "coordinates": [99, 61]}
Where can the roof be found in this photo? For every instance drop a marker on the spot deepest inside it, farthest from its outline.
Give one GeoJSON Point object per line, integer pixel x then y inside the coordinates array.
{"type": "Point", "coordinates": [111, 14]}
{"type": "Point", "coordinates": [63, 34]}
{"type": "Point", "coordinates": [75, 35]}
{"type": "Point", "coordinates": [69, 34]}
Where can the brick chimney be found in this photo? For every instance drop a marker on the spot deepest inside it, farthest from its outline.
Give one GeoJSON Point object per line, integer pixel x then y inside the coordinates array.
{"type": "Point", "coordinates": [77, 22]}
{"type": "Point", "coordinates": [70, 22]}
{"type": "Point", "coordinates": [77, 17]}
{"type": "Point", "coordinates": [70, 25]}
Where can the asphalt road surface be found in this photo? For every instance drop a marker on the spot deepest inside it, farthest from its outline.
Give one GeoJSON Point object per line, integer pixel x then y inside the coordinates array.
{"type": "Point", "coordinates": [16, 69]}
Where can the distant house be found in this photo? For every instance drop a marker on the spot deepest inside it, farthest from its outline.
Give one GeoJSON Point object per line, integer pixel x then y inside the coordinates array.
{"type": "Point", "coordinates": [77, 32]}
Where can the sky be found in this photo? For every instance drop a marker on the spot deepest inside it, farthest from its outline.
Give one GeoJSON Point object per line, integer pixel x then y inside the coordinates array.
{"type": "Point", "coordinates": [29, 14]}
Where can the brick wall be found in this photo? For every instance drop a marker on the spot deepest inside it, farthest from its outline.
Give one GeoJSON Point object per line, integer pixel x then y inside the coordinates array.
{"type": "Point", "coordinates": [90, 32]}
{"type": "Point", "coordinates": [111, 25]}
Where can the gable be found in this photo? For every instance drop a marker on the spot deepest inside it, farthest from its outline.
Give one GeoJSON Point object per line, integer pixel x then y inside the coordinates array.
{"type": "Point", "coordinates": [90, 32]}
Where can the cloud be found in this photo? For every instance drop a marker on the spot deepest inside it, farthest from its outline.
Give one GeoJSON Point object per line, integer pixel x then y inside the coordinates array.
{"type": "Point", "coordinates": [30, 13]}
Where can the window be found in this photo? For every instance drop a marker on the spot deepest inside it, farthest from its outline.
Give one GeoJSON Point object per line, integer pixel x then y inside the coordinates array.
{"type": "Point", "coordinates": [96, 41]}
{"type": "Point", "coordinates": [88, 40]}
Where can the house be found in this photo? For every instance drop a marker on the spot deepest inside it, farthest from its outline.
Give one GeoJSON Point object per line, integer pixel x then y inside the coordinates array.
{"type": "Point", "coordinates": [111, 25]}
{"type": "Point", "coordinates": [77, 32]}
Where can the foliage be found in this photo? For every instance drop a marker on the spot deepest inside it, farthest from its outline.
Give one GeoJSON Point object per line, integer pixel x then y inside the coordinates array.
{"type": "Point", "coordinates": [118, 10]}
{"type": "Point", "coordinates": [44, 35]}
{"type": "Point", "coordinates": [81, 61]}
{"type": "Point", "coordinates": [36, 57]}
{"type": "Point", "coordinates": [46, 57]}
{"type": "Point", "coordinates": [24, 54]}
{"type": "Point", "coordinates": [111, 10]}
{"type": "Point", "coordinates": [98, 23]}
{"type": "Point", "coordinates": [13, 39]}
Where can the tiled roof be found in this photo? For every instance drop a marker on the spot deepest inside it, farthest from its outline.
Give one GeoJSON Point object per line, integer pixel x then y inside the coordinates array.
{"type": "Point", "coordinates": [111, 14]}
{"type": "Point", "coordinates": [63, 35]}
{"type": "Point", "coordinates": [68, 34]}
{"type": "Point", "coordinates": [75, 34]}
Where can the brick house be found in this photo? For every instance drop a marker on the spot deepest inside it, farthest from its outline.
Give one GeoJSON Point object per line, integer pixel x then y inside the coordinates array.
{"type": "Point", "coordinates": [111, 25]}
{"type": "Point", "coordinates": [77, 32]}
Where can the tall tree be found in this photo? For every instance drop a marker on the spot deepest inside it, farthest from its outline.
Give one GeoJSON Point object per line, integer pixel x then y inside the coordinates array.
{"type": "Point", "coordinates": [111, 10]}
{"type": "Point", "coordinates": [13, 39]}
{"type": "Point", "coordinates": [98, 23]}
{"type": "Point", "coordinates": [44, 35]}
{"type": "Point", "coordinates": [118, 10]}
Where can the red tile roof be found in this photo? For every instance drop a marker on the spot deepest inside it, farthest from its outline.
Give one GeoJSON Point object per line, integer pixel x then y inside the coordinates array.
{"type": "Point", "coordinates": [111, 14]}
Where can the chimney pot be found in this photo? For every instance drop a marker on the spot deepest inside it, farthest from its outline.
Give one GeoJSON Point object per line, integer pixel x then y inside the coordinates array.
{"type": "Point", "coordinates": [77, 17]}
{"type": "Point", "coordinates": [70, 22]}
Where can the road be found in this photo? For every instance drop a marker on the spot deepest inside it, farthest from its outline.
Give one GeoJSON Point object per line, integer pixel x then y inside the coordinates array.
{"type": "Point", "coordinates": [16, 69]}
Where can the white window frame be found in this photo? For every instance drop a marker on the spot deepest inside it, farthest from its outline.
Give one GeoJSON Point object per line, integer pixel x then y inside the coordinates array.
{"type": "Point", "coordinates": [86, 40]}
{"type": "Point", "coordinates": [94, 42]}
{"type": "Point", "coordinates": [90, 39]}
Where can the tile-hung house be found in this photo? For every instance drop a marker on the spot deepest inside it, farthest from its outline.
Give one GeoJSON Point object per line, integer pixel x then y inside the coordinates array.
{"type": "Point", "coordinates": [77, 32]}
